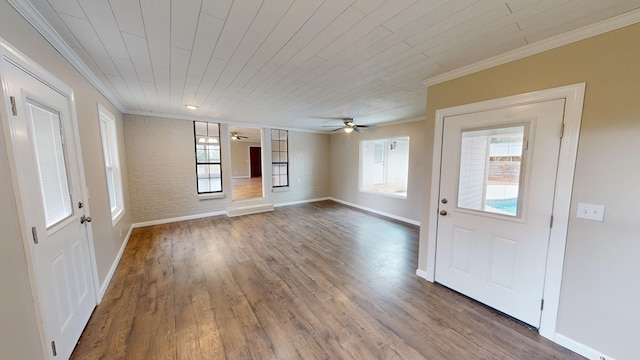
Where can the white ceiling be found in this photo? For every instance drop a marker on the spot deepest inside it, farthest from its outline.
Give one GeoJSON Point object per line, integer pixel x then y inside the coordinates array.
{"type": "Point", "coordinates": [294, 63]}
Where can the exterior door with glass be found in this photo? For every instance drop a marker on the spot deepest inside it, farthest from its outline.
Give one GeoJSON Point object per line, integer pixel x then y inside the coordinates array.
{"type": "Point", "coordinates": [496, 198]}
{"type": "Point", "coordinates": [49, 177]}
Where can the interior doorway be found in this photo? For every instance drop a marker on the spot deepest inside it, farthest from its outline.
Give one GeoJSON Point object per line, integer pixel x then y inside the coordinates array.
{"type": "Point", "coordinates": [246, 163]}
{"type": "Point", "coordinates": [255, 160]}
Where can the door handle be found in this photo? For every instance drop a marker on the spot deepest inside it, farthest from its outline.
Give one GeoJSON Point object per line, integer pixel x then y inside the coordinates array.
{"type": "Point", "coordinates": [84, 219]}
{"type": "Point", "coordinates": [443, 212]}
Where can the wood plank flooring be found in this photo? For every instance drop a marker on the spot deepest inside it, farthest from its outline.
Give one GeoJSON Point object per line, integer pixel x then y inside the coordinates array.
{"type": "Point", "coordinates": [246, 188]}
{"type": "Point", "coordinates": [314, 281]}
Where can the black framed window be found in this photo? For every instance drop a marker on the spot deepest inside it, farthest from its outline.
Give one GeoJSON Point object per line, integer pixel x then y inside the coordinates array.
{"type": "Point", "coordinates": [279, 158]}
{"type": "Point", "coordinates": [208, 166]}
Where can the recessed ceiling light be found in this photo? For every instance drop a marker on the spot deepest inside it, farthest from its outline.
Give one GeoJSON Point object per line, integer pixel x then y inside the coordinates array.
{"type": "Point", "coordinates": [192, 107]}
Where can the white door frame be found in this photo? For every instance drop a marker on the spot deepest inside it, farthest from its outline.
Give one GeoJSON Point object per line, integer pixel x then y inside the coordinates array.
{"type": "Point", "coordinates": [9, 53]}
{"type": "Point", "coordinates": [574, 96]}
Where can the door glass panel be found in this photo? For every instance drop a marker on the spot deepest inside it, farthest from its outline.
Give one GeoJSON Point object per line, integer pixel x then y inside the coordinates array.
{"type": "Point", "coordinates": [490, 170]}
{"type": "Point", "coordinates": [50, 160]}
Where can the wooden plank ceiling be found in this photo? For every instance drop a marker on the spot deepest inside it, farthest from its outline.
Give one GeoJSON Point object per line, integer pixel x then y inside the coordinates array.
{"type": "Point", "coordinates": [291, 63]}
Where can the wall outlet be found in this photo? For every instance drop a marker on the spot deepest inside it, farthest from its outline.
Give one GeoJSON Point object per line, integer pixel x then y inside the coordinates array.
{"type": "Point", "coordinates": [593, 212]}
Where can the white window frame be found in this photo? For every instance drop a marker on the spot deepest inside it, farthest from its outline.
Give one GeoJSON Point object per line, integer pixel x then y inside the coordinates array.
{"type": "Point", "coordinates": [386, 143]}
{"type": "Point", "coordinates": [109, 137]}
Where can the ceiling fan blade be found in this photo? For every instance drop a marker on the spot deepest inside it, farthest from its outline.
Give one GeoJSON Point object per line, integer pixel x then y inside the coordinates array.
{"type": "Point", "coordinates": [358, 128]}
{"type": "Point", "coordinates": [338, 129]}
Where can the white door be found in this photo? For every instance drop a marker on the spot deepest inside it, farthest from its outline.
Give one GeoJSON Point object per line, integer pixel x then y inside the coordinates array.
{"type": "Point", "coordinates": [496, 197]}
{"type": "Point", "coordinates": [49, 181]}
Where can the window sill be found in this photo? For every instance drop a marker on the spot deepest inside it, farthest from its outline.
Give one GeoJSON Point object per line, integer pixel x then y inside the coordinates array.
{"type": "Point", "coordinates": [280, 189]}
{"type": "Point", "coordinates": [115, 219]}
{"type": "Point", "coordinates": [211, 196]}
{"type": "Point", "coordinates": [393, 195]}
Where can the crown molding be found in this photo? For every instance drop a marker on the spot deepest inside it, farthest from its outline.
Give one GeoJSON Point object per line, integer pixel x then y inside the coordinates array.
{"type": "Point", "coordinates": [220, 121]}
{"type": "Point", "coordinates": [604, 26]}
{"type": "Point", "coordinates": [33, 16]}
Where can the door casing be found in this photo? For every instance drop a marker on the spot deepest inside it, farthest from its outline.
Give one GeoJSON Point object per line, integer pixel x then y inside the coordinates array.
{"type": "Point", "coordinates": [574, 97]}
{"type": "Point", "coordinates": [9, 53]}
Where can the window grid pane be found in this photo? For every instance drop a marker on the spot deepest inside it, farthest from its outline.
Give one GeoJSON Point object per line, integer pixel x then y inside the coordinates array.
{"type": "Point", "coordinates": [208, 158]}
{"type": "Point", "coordinates": [279, 158]}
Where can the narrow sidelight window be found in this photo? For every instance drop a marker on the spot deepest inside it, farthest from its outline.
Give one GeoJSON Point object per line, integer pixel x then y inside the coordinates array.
{"type": "Point", "coordinates": [208, 167]}
{"type": "Point", "coordinates": [280, 158]}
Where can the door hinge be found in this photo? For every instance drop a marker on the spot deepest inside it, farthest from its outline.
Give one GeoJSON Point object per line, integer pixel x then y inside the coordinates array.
{"type": "Point", "coordinates": [561, 130]}
{"type": "Point", "coordinates": [53, 348]}
{"type": "Point", "coordinates": [14, 109]}
{"type": "Point", "coordinates": [551, 222]}
{"type": "Point", "coordinates": [541, 304]}
{"type": "Point", "coordinates": [34, 232]}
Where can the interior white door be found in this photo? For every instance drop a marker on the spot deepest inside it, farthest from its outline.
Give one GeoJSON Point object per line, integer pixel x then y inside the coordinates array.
{"type": "Point", "coordinates": [49, 181]}
{"type": "Point", "coordinates": [496, 198]}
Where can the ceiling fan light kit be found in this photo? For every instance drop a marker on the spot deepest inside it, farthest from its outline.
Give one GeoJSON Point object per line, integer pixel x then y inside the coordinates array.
{"type": "Point", "coordinates": [350, 126]}
{"type": "Point", "coordinates": [235, 136]}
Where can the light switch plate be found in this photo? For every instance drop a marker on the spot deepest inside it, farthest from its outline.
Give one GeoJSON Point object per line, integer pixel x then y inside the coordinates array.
{"type": "Point", "coordinates": [593, 212]}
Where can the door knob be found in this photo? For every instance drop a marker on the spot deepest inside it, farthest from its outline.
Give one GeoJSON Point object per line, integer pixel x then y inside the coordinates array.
{"type": "Point", "coordinates": [84, 219]}
{"type": "Point", "coordinates": [443, 212]}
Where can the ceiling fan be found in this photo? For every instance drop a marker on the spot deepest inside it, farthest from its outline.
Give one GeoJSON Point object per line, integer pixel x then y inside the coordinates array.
{"type": "Point", "coordinates": [350, 126]}
{"type": "Point", "coordinates": [235, 136]}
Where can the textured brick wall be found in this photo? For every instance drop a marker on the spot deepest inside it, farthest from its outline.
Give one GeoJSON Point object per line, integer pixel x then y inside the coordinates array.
{"type": "Point", "coordinates": [308, 168]}
{"type": "Point", "coordinates": [161, 165]}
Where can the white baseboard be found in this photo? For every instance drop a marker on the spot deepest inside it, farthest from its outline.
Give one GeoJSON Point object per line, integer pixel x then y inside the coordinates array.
{"type": "Point", "coordinates": [249, 209]}
{"type": "Point", "coordinates": [580, 348]}
{"type": "Point", "coordinates": [176, 219]}
{"type": "Point", "coordinates": [114, 265]}
{"type": "Point", "coordinates": [301, 202]}
{"type": "Point", "coordinates": [423, 274]}
{"type": "Point", "coordinates": [241, 177]}
{"type": "Point", "coordinates": [385, 214]}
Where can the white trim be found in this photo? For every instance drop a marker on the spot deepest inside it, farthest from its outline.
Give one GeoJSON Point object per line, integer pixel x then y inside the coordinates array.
{"type": "Point", "coordinates": [243, 176]}
{"type": "Point", "coordinates": [378, 212]}
{"type": "Point", "coordinates": [107, 280]}
{"type": "Point", "coordinates": [280, 189]}
{"type": "Point", "coordinates": [604, 26]}
{"type": "Point", "coordinates": [220, 121]}
{"type": "Point", "coordinates": [574, 95]}
{"type": "Point", "coordinates": [211, 196]}
{"type": "Point", "coordinates": [301, 202]}
{"type": "Point", "coordinates": [423, 274]}
{"type": "Point", "coordinates": [33, 16]}
{"type": "Point", "coordinates": [580, 348]}
{"type": "Point", "coordinates": [176, 219]}
{"type": "Point", "coordinates": [110, 144]}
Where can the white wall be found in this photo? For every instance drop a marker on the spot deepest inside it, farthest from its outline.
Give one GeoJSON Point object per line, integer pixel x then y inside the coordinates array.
{"type": "Point", "coordinates": [345, 165]}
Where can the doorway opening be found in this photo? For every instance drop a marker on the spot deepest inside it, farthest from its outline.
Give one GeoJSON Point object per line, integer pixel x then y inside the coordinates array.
{"type": "Point", "coordinates": [246, 163]}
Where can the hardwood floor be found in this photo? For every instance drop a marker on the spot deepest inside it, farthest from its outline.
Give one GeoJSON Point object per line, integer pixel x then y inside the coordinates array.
{"type": "Point", "coordinates": [246, 188]}
{"type": "Point", "coordinates": [314, 281]}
